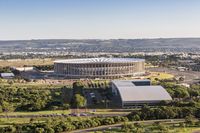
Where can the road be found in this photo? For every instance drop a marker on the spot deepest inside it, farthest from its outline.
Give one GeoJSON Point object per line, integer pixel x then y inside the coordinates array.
{"type": "Point", "coordinates": [101, 128]}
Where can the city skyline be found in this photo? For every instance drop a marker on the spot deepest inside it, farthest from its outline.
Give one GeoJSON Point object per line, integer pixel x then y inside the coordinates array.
{"type": "Point", "coordinates": [98, 19]}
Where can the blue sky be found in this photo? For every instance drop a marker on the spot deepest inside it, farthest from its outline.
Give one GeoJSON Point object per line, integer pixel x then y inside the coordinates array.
{"type": "Point", "coordinates": [102, 19]}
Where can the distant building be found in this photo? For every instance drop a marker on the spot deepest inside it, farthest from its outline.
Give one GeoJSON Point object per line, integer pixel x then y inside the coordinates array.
{"type": "Point", "coordinates": [7, 75]}
{"type": "Point", "coordinates": [195, 67]}
{"type": "Point", "coordinates": [185, 84]}
{"type": "Point", "coordinates": [101, 68]}
{"type": "Point", "coordinates": [190, 64]}
{"type": "Point", "coordinates": [138, 92]}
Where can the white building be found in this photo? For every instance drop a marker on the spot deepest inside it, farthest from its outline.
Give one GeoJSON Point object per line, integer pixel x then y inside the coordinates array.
{"type": "Point", "coordinates": [138, 92]}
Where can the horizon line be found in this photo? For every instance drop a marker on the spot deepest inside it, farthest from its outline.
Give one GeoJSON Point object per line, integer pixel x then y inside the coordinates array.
{"type": "Point", "coordinates": [145, 38]}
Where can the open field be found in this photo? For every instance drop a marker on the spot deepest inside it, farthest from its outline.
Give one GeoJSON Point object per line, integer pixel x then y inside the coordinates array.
{"type": "Point", "coordinates": [113, 111]}
{"type": "Point", "coordinates": [38, 112]}
{"type": "Point", "coordinates": [190, 76]}
{"type": "Point", "coordinates": [97, 111]}
{"type": "Point", "coordinates": [159, 75]}
{"type": "Point", "coordinates": [25, 62]}
{"type": "Point", "coordinates": [10, 121]}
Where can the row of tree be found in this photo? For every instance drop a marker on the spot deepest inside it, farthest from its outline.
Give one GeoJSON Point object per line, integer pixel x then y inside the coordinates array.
{"type": "Point", "coordinates": [62, 125]}
{"type": "Point", "coordinates": [147, 113]}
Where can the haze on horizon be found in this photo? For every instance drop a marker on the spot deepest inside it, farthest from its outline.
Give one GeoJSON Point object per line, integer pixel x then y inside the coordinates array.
{"type": "Point", "coordinates": [98, 19]}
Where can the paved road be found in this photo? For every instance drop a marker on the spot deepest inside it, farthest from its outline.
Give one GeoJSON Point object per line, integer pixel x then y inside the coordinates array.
{"type": "Point", "coordinates": [101, 128]}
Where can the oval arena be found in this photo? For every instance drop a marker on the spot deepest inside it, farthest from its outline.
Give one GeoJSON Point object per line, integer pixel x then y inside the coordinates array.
{"type": "Point", "coordinates": [102, 68]}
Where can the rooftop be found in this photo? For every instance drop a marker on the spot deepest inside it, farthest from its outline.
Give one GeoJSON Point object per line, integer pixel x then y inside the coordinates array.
{"type": "Point", "coordinates": [7, 74]}
{"type": "Point", "coordinates": [130, 92]}
{"type": "Point", "coordinates": [99, 60]}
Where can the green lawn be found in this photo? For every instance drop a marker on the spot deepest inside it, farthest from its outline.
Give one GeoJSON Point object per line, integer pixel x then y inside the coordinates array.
{"type": "Point", "coordinates": [159, 75]}
{"type": "Point", "coordinates": [38, 112]}
{"type": "Point", "coordinates": [113, 111]}
{"type": "Point", "coordinates": [98, 111]}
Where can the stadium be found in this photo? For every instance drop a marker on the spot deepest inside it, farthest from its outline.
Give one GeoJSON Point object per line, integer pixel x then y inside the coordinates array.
{"type": "Point", "coordinates": [101, 68]}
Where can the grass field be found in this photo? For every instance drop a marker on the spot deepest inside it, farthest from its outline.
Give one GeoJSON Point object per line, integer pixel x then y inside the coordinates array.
{"type": "Point", "coordinates": [10, 121]}
{"type": "Point", "coordinates": [159, 75]}
{"type": "Point", "coordinates": [27, 62]}
{"type": "Point", "coordinates": [113, 111]}
{"type": "Point", "coordinates": [97, 111]}
{"type": "Point", "coordinates": [38, 112]}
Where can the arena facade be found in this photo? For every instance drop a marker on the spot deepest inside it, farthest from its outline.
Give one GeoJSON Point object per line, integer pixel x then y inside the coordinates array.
{"type": "Point", "coordinates": [101, 68]}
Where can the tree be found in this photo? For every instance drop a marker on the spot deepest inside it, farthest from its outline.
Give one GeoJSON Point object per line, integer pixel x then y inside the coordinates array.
{"type": "Point", "coordinates": [181, 92]}
{"type": "Point", "coordinates": [136, 117]}
{"type": "Point", "coordinates": [79, 101]}
{"type": "Point", "coordinates": [39, 130]}
{"type": "Point", "coordinates": [189, 120]}
{"type": "Point", "coordinates": [7, 107]}
{"type": "Point", "coordinates": [78, 88]}
{"type": "Point", "coordinates": [146, 112]}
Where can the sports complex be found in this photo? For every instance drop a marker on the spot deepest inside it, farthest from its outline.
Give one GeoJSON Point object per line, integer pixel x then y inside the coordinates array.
{"type": "Point", "coordinates": [102, 68]}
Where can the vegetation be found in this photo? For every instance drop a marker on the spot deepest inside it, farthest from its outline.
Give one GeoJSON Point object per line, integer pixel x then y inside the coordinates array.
{"type": "Point", "coordinates": [159, 75]}
{"type": "Point", "coordinates": [185, 105]}
{"type": "Point", "coordinates": [156, 127]}
{"type": "Point", "coordinates": [30, 99]}
{"type": "Point", "coordinates": [5, 70]}
{"type": "Point", "coordinates": [61, 125]}
{"type": "Point", "coordinates": [45, 67]}
{"type": "Point", "coordinates": [181, 92]}
{"type": "Point", "coordinates": [79, 101]}
{"type": "Point", "coordinates": [147, 113]}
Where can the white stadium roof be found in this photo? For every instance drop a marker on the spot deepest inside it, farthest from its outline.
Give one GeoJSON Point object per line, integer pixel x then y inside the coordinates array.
{"type": "Point", "coordinates": [99, 60]}
{"type": "Point", "coordinates": [131, 93]}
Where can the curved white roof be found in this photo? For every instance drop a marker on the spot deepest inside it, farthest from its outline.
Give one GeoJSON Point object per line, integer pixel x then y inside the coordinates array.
{"type": "Point", "coordinates": [100, 60]}
{"type": "Point", "coordinates": [131, 93]}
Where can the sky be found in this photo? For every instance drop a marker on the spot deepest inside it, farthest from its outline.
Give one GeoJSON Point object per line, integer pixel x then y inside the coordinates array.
{"type": "Point", "coordinates": [98, 19]}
